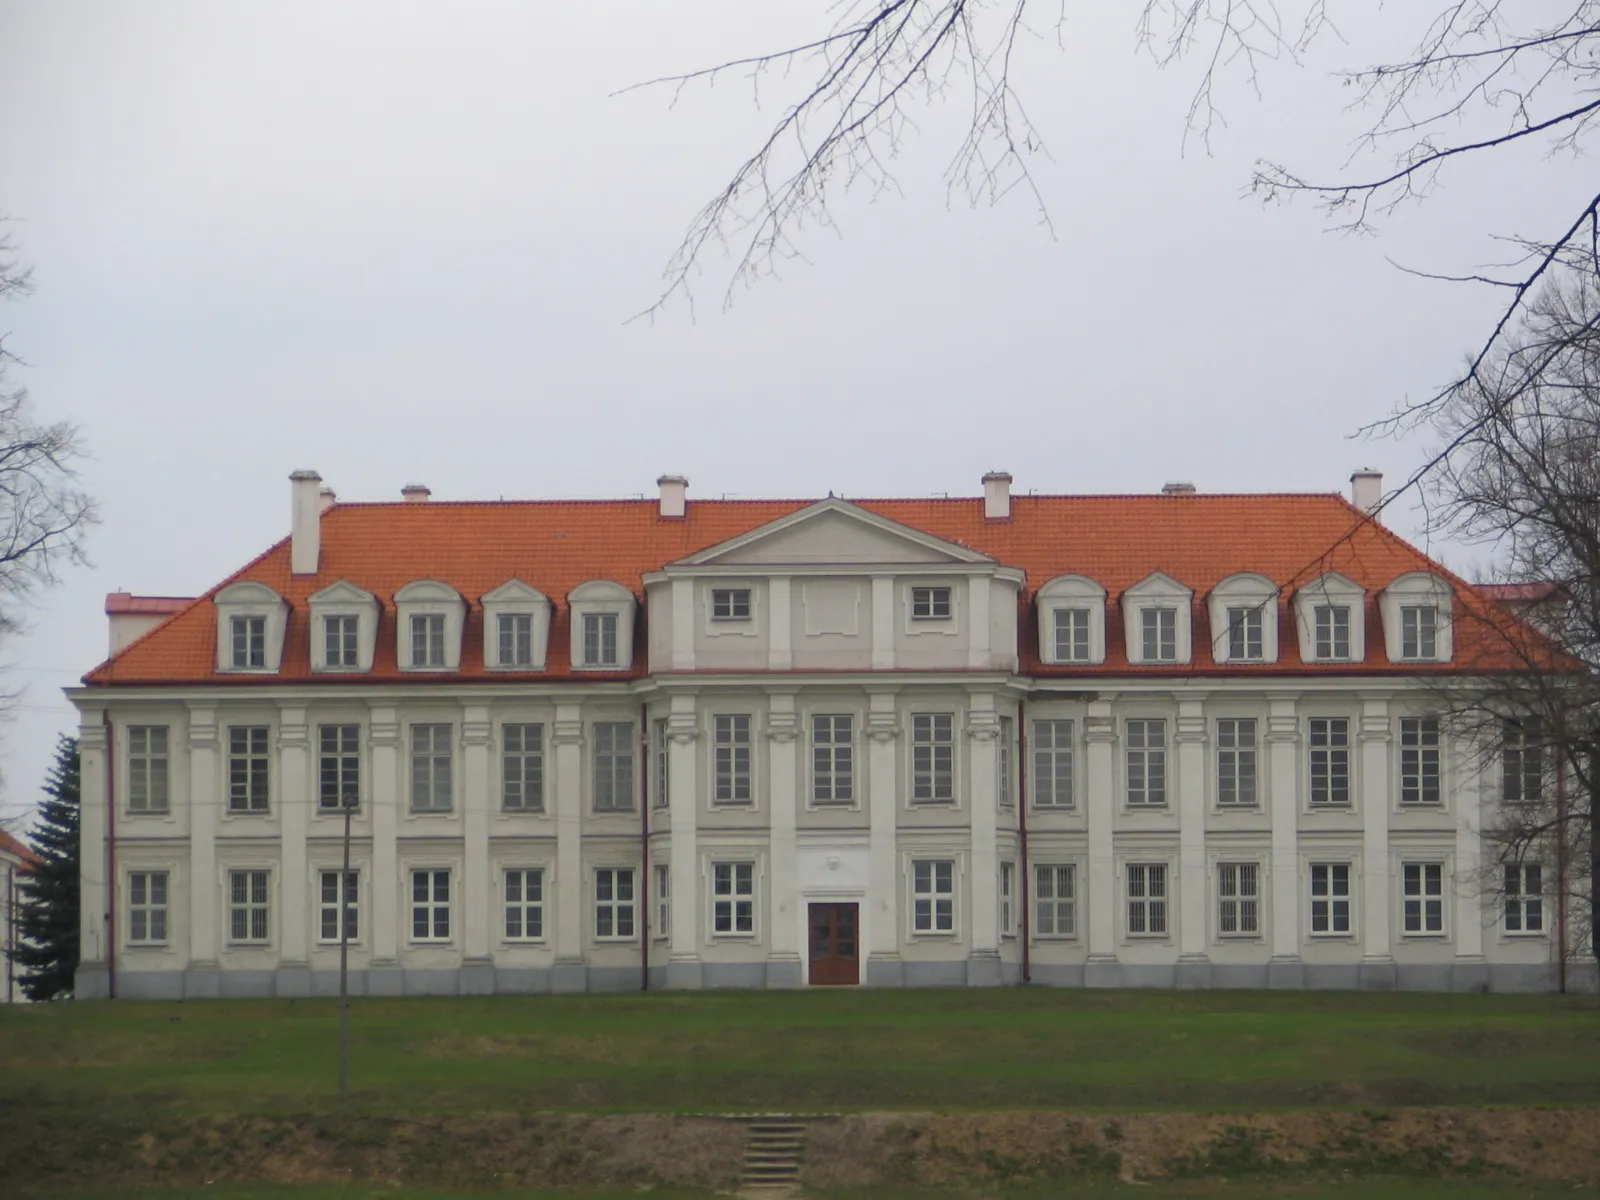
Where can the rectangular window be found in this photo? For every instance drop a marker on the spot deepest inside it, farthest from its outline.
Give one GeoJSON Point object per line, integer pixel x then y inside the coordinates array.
{"type": "Point", "coordinates": [833, 766]}
{"type": "Point", "coordinates": [930, 604]}
{"type": "Point", "coordinates": [1003, 762]}
{"type": "Point", "coordinates": [147, 906]}
{"type": "Point", "coordinates": [248, 906]}
{"type": "Point", "coordinates": [1330, 898]}
{"type": "Point", "coordinates": [524, 905]}
{"type": "Point", "coordinates": [663, 759]}
{"type": "Point", "coordinates": [1331, 623]}
{"type": "Point", "coordinates": [338, 766]}
{"type": "Point", "coordinates": [1147, 899]}
{"type": "Point", "coordinates": [1244, 634]}
{"type": "Point", "coordinates": [339, 645]}
{"type": "Point", "coordinates": [1159, 634]}
{"type": "Point", "coordinates": [329, 903]}
{"type": "Point", "coordinates": [1422, 897]}
{"type": "Point", "coordinates": [613, 903]}
{"type": "Point", "coordinates": [1052, 764]}
{"type": "Point", "coordinates": [1419, 760]}
{"type": "Point", "coordinates": [1147, 763]}
{"type": "Point", "coordinates": [1419, 631]}
{"type": "Point", "coordinates": [430, 906]}
{"type": "Point", "coordinates": [430, 768]}
{"type": "Point", "coordinates": [147, 769]}
{"type": "Point", "coordinates": [733, 898]}
{"type": "Point", "coordinates": [731, 759]}
{"type": "Point", "coordinates": [933, 757]}
{"type": "Point", "coordinates": [1072, 634]}
{"type": "Point", "coordinates": [599, 639]}
{"type": "Point", "coordinates": [427, 640]}
{"type": "Point", "coordinates": [247, 768]}
{"type": "Point", "coordinates": [522, 768]}
{"type": "Point", "coordinates": [1330, 761]}
{"type": "Point", "coordinates": [613, 766]}
{"type": "Point", "coordinates": [1054, 902]}
{"type": "Point", "coordinates": [1524, 898]}
{"type": "Point", "coordinates": [663, 902]}
{"type": "Point", "coordinates": [1238, 899]}
{"type": "Point", "coordinates": [516, 639]}
{"type": "Point", "coordinates": [730, 604]}
{"type": "Point", "coordinates": [1008, 877]}
{"type": "Point", "coordinates": [933, 896]}
{"type": "Point", "coordinates": [249, 641]}
{"type": "Point", "coordinates": [1236, 762]}
{"type": "Point", "coordinates": [1521, 765]}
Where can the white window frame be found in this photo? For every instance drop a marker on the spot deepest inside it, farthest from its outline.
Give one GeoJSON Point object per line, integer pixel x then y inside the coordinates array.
{"type": "Point", "coordinates": [1239, 899]}
{"type": "Point", "coordinates": [1253, 594]}
{"type": "Point", "coordinates": [1071, 635]}
{"type": "Point", "coordinates": [149, 771]}
{"type": "Point", "coordinates": [515, 641]}
{"type": "Point", "coordinates": [1517, 897]}
{"type": "Point", "coordinates": [428, 637]}
{"type": "Point", "coordinates": [522, 763]}
{"type": "Point", "coordinates": [610, 906]}
{"type": "Point", "coordinates": [601, 597]}
{"type": "Point", "coordinates": [1008, 888]}
{"type": "Point", "coordinates": [1147, 900]}
{"type": "Point", "coordinates": [1419, 632]}
{"type": "Point", "coordinates": [925, 601]}
{"type": "Point", "coordinates": [733, 755]}
{"type": "Point", "coordinates": [932, 883]}
{"type": "Point", "coordinates": [329, 909]}
{"type": "Point", "coordinates": [1048, 897]}
{"type": "Point", "coordinates": [249, 770]}
{"type": "Point", "coordinates": [1414, 590]}
{"type": "Point", "coordinates": [1238, 763]}
{"type": "Point", "coordinates": [833, 760]}
{"type": "Point", "coordinates": [661, 758]}
{"type": "Point", "coordinates": [1518, 747]}
{"type": "Point", "coordinates": [1005, 776]}
{"type": "Point", "coordinates": [933, 742]}
{"type": "Point", "coordinates": [250, 601]}
{"type": "Point", "coordinates": [432, 904]}
{"type": "Point", "coordinates": [1140, 769]}
{"type": "Point", "coordinates": [1338, 591]}
{"type": "Point", "coordinates": [1423, 895]}
{"type": "Point", "coordinates": [732, 604]}
{"type": "Point", "coordinates": [518, 909]}
{"type": "Point", "coordinates": [1420, 762]}
{"type": "Point", "coordinates": [1157, 592]}
{"type": "Point", "coordinates": [429, 598]}
{"type": "Point", "coordinates": [338, 742]}
{"type": "Point", "coordinates": [733, 899]}
{"type": "Point", "coordinates": [432, 791]}
{"type": "Point", "coordinates": [661, 883]}
{"type": "Point", "coordinates": [142, 902]}
{"type": "Point", "coordinates": [1330, 898]}
{"type": "Point", "coordinates": [514, 598]}
{"type": "Point", "coordinates": [1072, 592]}
{"type": "Point", "coordinates": [343, 600]}
{"type": "Point", "coordinates": [255, 902]}
{"type": "Point", "coordinates": [612, 767]}
{"type": "Point", "coordinates": [341, 641]}
{"type": "Point", "coordinates": [1331, 749]}
{"type": "Point", "coordinates": [1052, 783]}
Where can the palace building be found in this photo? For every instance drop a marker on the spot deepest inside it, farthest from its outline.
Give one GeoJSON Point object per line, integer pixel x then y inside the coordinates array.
{"type": "Point", "coordinates": [1144, 740]}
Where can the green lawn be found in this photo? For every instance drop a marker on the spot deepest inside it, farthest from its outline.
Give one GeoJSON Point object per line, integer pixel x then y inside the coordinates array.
{"type": "Point", "coordinates": [809, 1051]}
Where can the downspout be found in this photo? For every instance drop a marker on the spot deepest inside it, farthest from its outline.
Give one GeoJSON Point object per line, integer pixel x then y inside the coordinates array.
{"type": "Point", "coordinates": [1022, 834]}
{"type": "Point", "coordinates": [645, 893]}
{"type": "Point", "coordinates": [1561, 872]}
{"type": "Point", "coordinates": [111, 857]}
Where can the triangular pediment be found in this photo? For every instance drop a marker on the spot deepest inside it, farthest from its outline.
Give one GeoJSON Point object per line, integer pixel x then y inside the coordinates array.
{"type": "Point", "coordinates": [834, 533]}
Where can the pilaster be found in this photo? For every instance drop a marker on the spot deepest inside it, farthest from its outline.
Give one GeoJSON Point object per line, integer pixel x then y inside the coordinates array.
{"type": "Point", "coordinates": [783, 731]}
{"type": "Point", "coordinates": [294, 817]}
{"type": "Point", "coordinates": [94, 878]}
{"type": "Point", "coordinates": [1377, 967]}
{"type": "Point", "coordinates": [383, 800]}
{"type": "Point", "coordinates": [1468, 916]}
{"type": "Point", "coordinates": [683, 624]}
{"type": "Point", "coordinates": [780, 627]}
{"type": "Point", "coordinates": [883, 622]}
{"type": "Point", "coordinates": [477, 883]}
{"type": "Point", "coordinates": [683, 734]}
{"type": "Point", "coordinates": [1191, 742]}
{"type": "Point", "coordinates": [1100, 737]}
{"type": "Point", "coordinates": [978, 621]}
{"type": "Point", "coordinates": [983, 733]}
{"type": "Point", "coordinates": [205, 889]}
{"type": "Point", "coordinates": [567, 738]}
{"type": "Point", "coordinates": [883, 808]}
{"type": "Point", "coordinates": [1283, 800]}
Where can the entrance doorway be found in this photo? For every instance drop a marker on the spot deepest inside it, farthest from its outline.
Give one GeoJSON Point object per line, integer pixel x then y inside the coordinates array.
{"type": "Point", "coordinates": [835, 943]}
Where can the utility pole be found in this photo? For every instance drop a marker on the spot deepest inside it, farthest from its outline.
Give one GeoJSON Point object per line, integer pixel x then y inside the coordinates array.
{"type": "Point", "coordinates": [344, 952]}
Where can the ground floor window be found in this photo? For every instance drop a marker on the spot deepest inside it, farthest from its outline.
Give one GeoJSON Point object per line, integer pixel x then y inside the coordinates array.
{"type": "Point", "coordinates": [1423, 896]}
{"type": "Point", "coordinates": [147, 906]}
{"type": "Point", "coordinates": [330, 901]}
{"type": "Point", "coordinates": [933, 896]}
{"type": "Point", "coordinates": [1524, 901]}
{"type": "Point", "coordinates": [1147, 899]}
{"type": "Point", "coordinates": [1054, 901]}
{"type": "Point", "coordinates": [663, 902]}
{"type": "Point", "coordinates": [733, 897]}
{"type": "Point", "coordinates": [1330, 898]}
{"type": "Point", "coordinates": [613, 903]}
{"type": "Point", "coordinates": [249, 905]}
{"type": "Point", "coordinates": [1238, 899]}
{"type": "Point", "coordinates": [430, 906]}
{"type": "Point", "coordinates": [1008, 883]}
{"type": "Point", "coordinates": [524, 904]}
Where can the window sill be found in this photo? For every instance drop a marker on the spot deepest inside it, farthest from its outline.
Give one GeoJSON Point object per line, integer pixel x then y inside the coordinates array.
{"type": "Point", "coordinates": [1054, 938]}
{"type": "Point", "coordinates": [325, 669]}
{"type": "Point", "coordinates": [244, 814]}
{"type": "Point", "coordinates": [612, 812]}
{"type": "Point", "coordinates": [915, 803]}
{"type": "Point", "coordinates": [516, 668]}
{"type": "Point", "coordinates": [948, 936]}
{"type": "Point", "coordinates": [1053, 808]}
{"type": "Point", "coordinates": [524, 943]}
{"type": "Point", "coordinates": [1233, 939]}
{"type": "Point", "coordinates": [1524, 935]}
{"type": "Point", "coordinates": [1134, 808]}
{"type": "Point", "coordinates": [524, 812]}
{"type": "Point", "coordinates": [247, 945]}
{"type": "Point", "coordinates": [1237, 808]}
{"type": "Point", "coordinates": [1410, 935]}
{"type": "Point", "coordinates": [430, 812]}
{"type": "Point", "coordinates": [135, 814]}
{"type": "Point", "coordinates": [1332, 937]}
{"type": "Point", "coordinates": [597, 667]}
{"type": "Point", "coordinates": [1144, 939]}
{"type": "Point", "coordinates": [748, 938]}
{"type": "Point", "coordinates": [135, 947]}
{"type": "Point", "coordinates": [247, 671]}
{"type": "Point", "coordinates": [1337, 808]}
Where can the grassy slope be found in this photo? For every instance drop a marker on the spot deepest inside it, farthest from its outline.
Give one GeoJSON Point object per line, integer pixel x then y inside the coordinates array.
{"type": "Point", "coordinates": [725, 1052]}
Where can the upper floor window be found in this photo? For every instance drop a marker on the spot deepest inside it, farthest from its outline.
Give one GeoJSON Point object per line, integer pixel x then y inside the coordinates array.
{"type": "Point", "coordinates": [247, 768]}
{"type": "Point", "coordinates": [516, 639]}
{"type": "Point", "coordinates": [1243, 610]}
{"type": "Point", "coordinates": [731, 765]}
{"type": "Point", "coordinates": [1416, 617]}
{"type": "Point", "coordinates": [1419, 760]}
{"type": "Point", "coordinates": [1521, 765]}
{"type": "Point", "coordinates": [427, 641]}
{"type": "Point", "coordinates": [1052, 764]}
{"type": "Point", "coordinates": [600, 639]}
{"type": "Point", "coordinates": [613, 766]}
{"type": "Point", "coordinates": [1419, 631]}
{"type": "Point", "coordinates": [1330, 761]}
{"type": "Point", "coordinates": [147, 769]}
{"type": "Point", "coordinates": [1244, 634]}
{"type": "Point", "coordinates": [1236, 762]}
{"type": "Point", "coordinates": [661, 743]}
{"type": "Point", "coordinates": [341, 642]}
{"type": "Point", "coordinates": [730, 604]}
{"type": "Point", "coordinates": [1003, 762]}
{"type": "Point", "coordinates": [1159, 633]}
{"type": "Point", "coordinates": [344, 619]}
{"type": "Point", "coordinates": [1329, 612]}
{"type": "Point", "coordinates": [522, 768]}
{"type": "Point", "coordinates": [930, 603]}
{"type": "Point", "coordinates": [430, 768]}
{"type": "Point", "coordinates": [516, 627]}
{"type": "Point", "coordinates": [338, 766]}
{"type": "Point", "coordinates": [430, 619]}
{"type": "Point", "coordinates": [1072, 620]}
{"type": "Point", "coordinates": [832, 759]}
{"type": "Point", "coordinates": [1147, 763]}
{"type": "Point", "coordinates": [1072, 635]}
{"type": "Point", "coordinates": [249, 642]}
{"type": "Point", "coordinates": [1157, 616]}
{"type": "Point", "coordinates": [251, 618]}
{"type": "Point", "coordinates": [602, 626]}
{"type": "Point", "coordinates": [1332, 631]}
{"type": "Point", "coordinates": [933, 751]}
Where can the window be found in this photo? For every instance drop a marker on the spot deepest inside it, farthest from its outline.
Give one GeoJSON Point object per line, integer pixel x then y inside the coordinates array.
{"type": "Point", "coordinates": [1423, 897]}
{"type": "Point", "coordinates": [339, 641]}
{"type": "Point", "coordinates": [933, 752]}
{"type": "Point", "coordinates": [522, 782]}
{"type": "Point", "coordinates": [147, 768]}
{"type": "Point", "coordinates": [1244, 634]}
{"type": "Point", "coordinates": [1052, 764]}
{"type": "Point", "coordinates": [1147, 899]}
{"type": "Point", "coordinates": [1238, 899]}
{"type": "Point", "coordinates": [1330, 898]}
{"type": "Point", "coordinates": [832, 760]}
{"type": "Point", "coordinates": [663, 757]}
{"type": "Point", "coordinates": [1159, 635]}
{"type": "Point", "coordinates": [1054, 902]}
{"type": "Point", "coordinates": [731, 761]}
{"type": "Point", "coordinates": [1524, 902]}
{"type": "Point", "coordinates": [147, 906]}
{"type": "Point", "coordinates": [427, 640]}
{"type": "Point", "coordinates": [1521, 765]}
{"type": "Point", "coordinates": [248, 906]}
{"type": "Point", "coordinates": [430, 768]}
{"type": "Point", "coordinates": [613, 766]}
{"type": "Point", "coordinates": [1332, 625]}
{"type": "Point", "coordinates": [1236, 762]}
{"type": "Point", "coordinates": [730, 604]}
{"type": "Point", "coordinates": [430, 906]}
{"type": "Point", "coordinates": [933, 896]}
{"type": "Point", "coordinates": [599, 639]}
{"type": "Point", "coordinates": [516, 639]}
{"type": "Point", "coordinates": [1147, 763]}
{"type": "Point", "coordinates": [930, 604]}
{"type": "Point", "coordinates": [524, 905]}
{"type": "Point", "coordinates": [1419, 760]}
{"type": "Point", "coordinates": [329, 904]}
{"type": "Point", "coordinates": [613, 903]}
{"type": "Point", "coordinates": [1330, 761]}
{"type": "Point", "coordinates": [733, 898]}
{"type": "Point", "coordinates": [1419, 628]}
{"type": "Point", "coordinates": [1008, 877]}
{"type": "Point", "coordinates": [663, 902]}
{"type": "Point", "coordinates": [338, 766]}
{"type": "Point", "coordinates": [1072, 634]}
{"type": "Point", "coordinates": [247, 768]}
{"type": "Point", "coordinates": [1003, 762]}
{"type": "Point", "coordinates": [249, 641]}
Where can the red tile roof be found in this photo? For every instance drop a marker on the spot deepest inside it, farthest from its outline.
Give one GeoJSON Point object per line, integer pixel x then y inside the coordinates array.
{"type": "Point", "coordinates": [18, 848]}
{"type": "Point", "coordinates": [126, 604]}
{"type": "Point", "coordinates": [556, 545]}
{"type": "Point", "coordinates": [1519, 593]}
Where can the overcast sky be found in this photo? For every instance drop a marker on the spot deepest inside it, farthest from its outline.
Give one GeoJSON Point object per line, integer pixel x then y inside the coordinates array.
{"type": "Point", "coordinates": [401, 241]}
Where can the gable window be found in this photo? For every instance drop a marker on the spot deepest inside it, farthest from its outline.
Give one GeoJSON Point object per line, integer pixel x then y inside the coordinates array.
{"type": "Point", "coordinates": [330, 902]}
{"type": "Point", "coordinates": [1238, 899]}
{"type": "Point", "coordinates": [1330, 761]}
{"type": "Point", "coordinates": [933, 752]}
{"type": "Point", "coordinates": [427, 640]}
{"type": "Point", "coordinates": [663, 759]}
{"type": "Point", "coordinates": [1332, 636]}
{"type": "Point", "coordinates": [249, 642]}
{"type": "Point", "coordinates": [1236, 762]}
{"type": "Point", "coordinates": [1523, 898]}
{"type": "Point", "coordinates": [1521, 765]}
{"type": "Point", "coordinates": [730, 604]}
{"type": "Point", "coordinates": [1330, 898]}
{"type": "Point", "coordinates": [522, 784]}
{"type": "Point", "coordinates": [147, 769]}
{"type": "Point", "coordinates": [1055, 901]}
{"type": "Point", "coordinates": [930, 604]}
{"type": "Point", "coordinates": [1419, 760]}
{"type": "Point", "coordinates": [249, 905]}
{"type": "Point", "coordinates": [731, 761]}
{"type": "Point", "coordinates": [733, 898]}
{"type": "Point", "coordinates": [430, 768]}
{"type": "Point", "coordinates": [1159, 634]}
{"type": "Point", "coordinates": [147, 906]}
{"type": "Point", "coordinates": [600, 639]}
{"type": "Point", "coordinates": [832, 759]}
{"type": "Point", "coordinates": [430, 906]}
{"type": "Point", "coordinates": [613, 903]}
{"type": "Point", "coordinates": [524, 905]}
{"type": "Point", "coordinates": [247, 769]}
{"type": "Point", "coordinates": [1008, 878]}
{"type": "Point", "coordinates": [341, 641]}
{"type": "Point", "coordinates": [1052, 764]}
{"type": "Point", "coordinates": [1423, 895]}
{"type": "Point", "coordinates": [1419, 629]}
{"type": "Point", "coordinates": [1147, 899]}
{"type": "Point", "coordinates": [613, 766]}
{"type": "Point", "coordinates": [933, 896]}
{"type": "Point", "coordinates": [1147, 763]}
{"type": "Point", "coordinates": [1003, 762]}
{"type": "Point", "coordinates": [338, 766]}
{"type": "Point", "coordinates": [1072, 635]}
{"type": "Point", "coordinates": [1244, 634]}
{"type": "Point", "coordinates": [516, 639]}
{"type": "Point", "coordinates": [663, 901]}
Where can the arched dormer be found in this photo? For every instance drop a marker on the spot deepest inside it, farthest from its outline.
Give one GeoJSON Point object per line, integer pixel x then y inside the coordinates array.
{"type": "Point", "coordinates": [344, 627]}
{"type": "Point", "coordinates": [1244, 619]}
{"type": "Point", "coordinates": [602, 626]}
{"type": "Point", "coordinates": [1072, 621]}
{"type": "Point", "coordinates": [429, 619]}
{"type": "Point", "coordinates": [1416, 610]}
{"type": "Point", "coordinates": [1156, 618]}
{"type": "Point", "coordinates": [251, 618]}
{"type": "Point", "coordinates": [516, 627]}
{"type": "Point", "coordinates": [1331, 615]}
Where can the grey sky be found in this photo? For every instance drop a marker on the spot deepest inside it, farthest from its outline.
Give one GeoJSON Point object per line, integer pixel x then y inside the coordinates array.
{"type": "Point", "coordinates": [399, 241]}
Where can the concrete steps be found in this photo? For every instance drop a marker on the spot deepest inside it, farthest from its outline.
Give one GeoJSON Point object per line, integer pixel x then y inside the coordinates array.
{"type": "Point", "coordinates": [773, 1150]}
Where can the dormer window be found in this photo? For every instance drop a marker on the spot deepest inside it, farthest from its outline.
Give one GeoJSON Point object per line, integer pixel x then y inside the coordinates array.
{"type": "Point", "coordinates": [341, 642]}
{"type": "Point", "coordinates": [1416, 610]}
{"type": "Point", "coordinates": [516, 627]}
{"type": "Point", "coordinates": [600, 639]}
{"type": "Point", "coordinates": [516, 639]}
{"type": "Point", "coordinates": [602, 626]}
{"type": "Point", "coordinates": [730, 604]}
{"type": "Point", "coordinates": [1330, 613]}
{"type": "Point", "coordinates": [251, 618]}
{"type": "Point", "coordinates": [1072, 635]}
{"type": "Point", "coordinates": [344, 623]}
{"type": "Point", "coordinates": [249, 643]}
{"type": "Point", "coordinates": [431, 616]}
{"type": "Point", "coordinates": [1072, 621]}
{"type": "Point", "coordinates": [1244, 634]}
{"type": "Point", "coordinates": [1159, 634]}
{"type": "Point", "coordinates": [1156, 617]}
{"type": "Point", "coordinates": [930, 604]}
{"type": "Point", "coordinates": [427, 641]}
{"type": "Point", "coordinates": [1419, 629]}
{"type": "Point", "coordinates": [1244, 619]}
{"type": "Point", "coordinates": [1333, 631]}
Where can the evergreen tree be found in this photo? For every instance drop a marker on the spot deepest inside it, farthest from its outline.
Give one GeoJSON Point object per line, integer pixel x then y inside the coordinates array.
{"type": "Point", "coordinates": [47, 950]}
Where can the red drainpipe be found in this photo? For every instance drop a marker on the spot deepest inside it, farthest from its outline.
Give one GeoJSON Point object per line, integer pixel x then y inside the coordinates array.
{"type": "Point", "coordinates": [1022, 832]}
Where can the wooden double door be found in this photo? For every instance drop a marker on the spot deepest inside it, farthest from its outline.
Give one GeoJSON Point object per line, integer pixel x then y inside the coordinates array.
{"type": "Point", "coordinates": [835, 943]}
